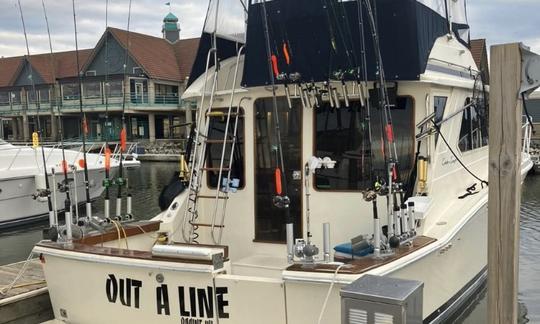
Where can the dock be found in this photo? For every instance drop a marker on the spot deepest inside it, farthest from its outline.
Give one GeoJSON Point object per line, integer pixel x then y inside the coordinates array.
{"type": "Point", "coordinates": [28, 301]}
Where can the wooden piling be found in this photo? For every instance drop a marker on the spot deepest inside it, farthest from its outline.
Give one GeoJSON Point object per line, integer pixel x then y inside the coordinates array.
{"type": "Point", "coordinates": [505, 117]}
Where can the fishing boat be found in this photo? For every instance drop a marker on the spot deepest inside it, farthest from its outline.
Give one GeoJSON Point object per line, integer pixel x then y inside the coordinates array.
{"type": "Point", "coordinates": [22, 180]}
{"type": "Point", "coordinates": [336, 141]}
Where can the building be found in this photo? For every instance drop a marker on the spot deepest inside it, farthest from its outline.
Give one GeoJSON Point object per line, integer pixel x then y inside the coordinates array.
{"type": "Point", "coordinates": [149, 91]}
{"type": "Point", "coordinates": [479, 52]}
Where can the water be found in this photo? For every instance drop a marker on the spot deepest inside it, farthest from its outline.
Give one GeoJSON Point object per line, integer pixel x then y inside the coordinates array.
{"type": "Point", "coordinates": [149, 179]}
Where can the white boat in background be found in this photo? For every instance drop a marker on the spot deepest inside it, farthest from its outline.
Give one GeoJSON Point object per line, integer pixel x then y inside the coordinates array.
{"type": "Point", "coordinates": [22, 176]}
{"type": "Point", "coordinates": [278, 171]}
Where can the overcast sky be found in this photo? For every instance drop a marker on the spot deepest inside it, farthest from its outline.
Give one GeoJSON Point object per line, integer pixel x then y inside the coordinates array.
{"type": "Point", "coordinates": [499, 21]}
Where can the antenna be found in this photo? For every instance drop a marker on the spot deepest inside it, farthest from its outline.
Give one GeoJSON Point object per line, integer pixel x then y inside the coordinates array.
{"type": "Point", "coordinates": [35, 135]}
{"type": "Point", "coordinates": [84, 121]}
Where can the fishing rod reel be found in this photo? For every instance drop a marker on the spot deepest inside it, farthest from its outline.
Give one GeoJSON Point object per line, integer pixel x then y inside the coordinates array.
{"type": "Point", "coordinates": [41, 195]}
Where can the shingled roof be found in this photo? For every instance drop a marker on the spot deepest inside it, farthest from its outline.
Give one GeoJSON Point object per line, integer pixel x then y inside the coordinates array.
{"type": "Point", "coordinates": [65, 66]}
{"type": "Point", "coordinates": [156, 56]}
{"type": "Point", "coordinates": [479, 53]}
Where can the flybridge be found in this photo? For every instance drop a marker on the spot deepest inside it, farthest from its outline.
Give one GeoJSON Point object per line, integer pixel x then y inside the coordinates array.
{"type": "Point", "coordinates": [321, 40]}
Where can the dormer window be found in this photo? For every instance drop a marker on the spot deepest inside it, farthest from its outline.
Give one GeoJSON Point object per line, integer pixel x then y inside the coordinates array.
{"type": "Point", "coordinates": [138, 70]}
{"type": "Point", "coordinates": [91, 73]}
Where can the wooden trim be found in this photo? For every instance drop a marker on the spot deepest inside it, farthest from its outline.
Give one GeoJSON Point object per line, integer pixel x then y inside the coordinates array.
{"type": "Point", "coordinates": [364, 264]}
{"type": "Point", "coordinates": [121, 253]}
{"type": "Point", "coordinates": [111, 234]}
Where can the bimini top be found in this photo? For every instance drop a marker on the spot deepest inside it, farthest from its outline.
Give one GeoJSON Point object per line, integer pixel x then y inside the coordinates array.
{"type": "Point", "coordinates": [321, 39]}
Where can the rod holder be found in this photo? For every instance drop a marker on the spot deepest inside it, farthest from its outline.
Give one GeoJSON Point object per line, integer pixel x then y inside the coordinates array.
{"type": "Point", "coordinates": [377, 237]}
{"type": "Point", "coordinates": [412, 220]}
{"type": "Point", "coordinates": [129, 204]}
{"type": "Point", "coordinates": [326, 242]}
{"type": "Point", "coordinates": [397, 220]}
{"type": "Point", "coordinates": [290, 242]}
{"type": "Point", "coordinates": [69, 221]}
{"type": "Point", "coordinates": [88, 209]}
{"type": "Point", "coordinates": [118, 207]}
{"type": "Point", "coordinates": [345, 94]}
{"type": "Point", "coordinates": [288, 95]}
{"type": "Point", "coordinates": [404, 219]}
{"type": "Point", "coordinates": [107, 206]}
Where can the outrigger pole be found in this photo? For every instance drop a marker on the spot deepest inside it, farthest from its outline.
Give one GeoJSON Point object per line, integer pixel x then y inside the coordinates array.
{"type": "Point", "coordinates": [84, 122]}
{"type": "Point", "coordinates": [120, 181]}
{"type": "Point", "coordinates": [35, 135]}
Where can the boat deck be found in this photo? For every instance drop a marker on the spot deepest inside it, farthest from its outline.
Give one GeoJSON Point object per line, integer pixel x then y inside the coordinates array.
{"type": "Point", "coordinates": [364, 264]}
{"type": "Point", "coordinates": [28, 301]}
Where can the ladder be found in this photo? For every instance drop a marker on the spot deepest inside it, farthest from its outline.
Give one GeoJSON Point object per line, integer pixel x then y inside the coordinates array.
{"type": "Point", "coordinates": [192, 220]}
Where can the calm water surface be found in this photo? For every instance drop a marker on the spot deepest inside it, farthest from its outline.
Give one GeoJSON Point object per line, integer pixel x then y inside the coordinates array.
{"type": "Point", "coordinates": [148, 180]}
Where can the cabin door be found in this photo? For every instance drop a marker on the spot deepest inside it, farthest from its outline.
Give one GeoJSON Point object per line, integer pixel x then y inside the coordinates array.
{"type": "Point", "coordinates": [270, 220]}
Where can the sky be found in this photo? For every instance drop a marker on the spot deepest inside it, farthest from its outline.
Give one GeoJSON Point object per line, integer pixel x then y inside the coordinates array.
{"type": "Point", "coordinates": [499, 21]}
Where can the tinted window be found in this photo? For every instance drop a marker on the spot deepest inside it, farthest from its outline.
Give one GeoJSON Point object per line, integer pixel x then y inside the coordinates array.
{"type": "Point", "coordinates": [342, 134]}
{"type": "Point", "coordinates": [474, 126]}
{"type": "Point", "coordinates": [439, 105]}
{"type": "Point", "coordinates": [216, 133]}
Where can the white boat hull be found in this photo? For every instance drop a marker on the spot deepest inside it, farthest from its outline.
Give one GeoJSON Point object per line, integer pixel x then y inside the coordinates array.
{"type": "Point", "coordinates": [20, 207]}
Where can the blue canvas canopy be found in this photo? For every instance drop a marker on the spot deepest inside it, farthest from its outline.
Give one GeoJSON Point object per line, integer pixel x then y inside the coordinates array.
{"type": "Point", "coordinates": [321, 40]}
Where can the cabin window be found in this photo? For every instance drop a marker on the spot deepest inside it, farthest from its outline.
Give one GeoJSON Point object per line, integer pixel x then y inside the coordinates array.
{"type": "Point", "coordinates": [439, 105]}
{"type": "Point", "coordinates": [70, 91]}
{"type": "Point", "coordinates": [4, 98]}
{"type": "Point", "coordinates": [92, 90]}
{"type": "Point", "coordinates": [270, 220]}
{"type": "Point", "coordinates": [115, 89]}
{"type": "Point", "coordinates": [216, 132]}
{"type": "Point", "coordinates": [474, 126]}
{"type": "Point", "coordinates": [343, 135]}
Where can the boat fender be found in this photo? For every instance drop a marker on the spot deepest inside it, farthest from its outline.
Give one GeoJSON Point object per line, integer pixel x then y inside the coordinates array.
{"type": "Point", "coordinates": [170, 192]}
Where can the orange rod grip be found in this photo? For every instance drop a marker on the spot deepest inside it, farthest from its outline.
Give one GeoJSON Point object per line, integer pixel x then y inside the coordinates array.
{"type": "Point", "coordinates": [275, 66]}
{"type": "Point", "coordinates": [286, 54]}
{"type": "Point", "coordinates": [278, 181]}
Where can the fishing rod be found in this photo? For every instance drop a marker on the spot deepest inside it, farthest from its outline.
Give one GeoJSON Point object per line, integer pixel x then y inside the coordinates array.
{"type": "Point", "coordinates": [107, 181]}
{"type": "Point", "coordinates": [120, 181]}
{"type": "Point", "coordinates": [281, 199]}
{"type": "Point", "coordinates": [64, 186]}
{"type": "Point", "coordinates": [84, 122]}
{"type": "Point", "coordinates": [35, 135]}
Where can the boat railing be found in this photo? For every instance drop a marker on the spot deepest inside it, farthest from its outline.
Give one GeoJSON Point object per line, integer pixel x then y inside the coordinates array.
{"type": "Point", "coordinates": [95, 148]}
{"type": "Point", "coordinates": [527, 134]}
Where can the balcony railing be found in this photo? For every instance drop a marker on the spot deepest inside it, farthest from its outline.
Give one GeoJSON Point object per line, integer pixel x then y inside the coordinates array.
{"type": "Point", "coordinates": [134, 101]}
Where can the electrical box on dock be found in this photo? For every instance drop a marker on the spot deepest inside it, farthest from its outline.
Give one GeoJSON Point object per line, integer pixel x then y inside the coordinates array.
{"type": "Point", "coordinates": [382, 300]}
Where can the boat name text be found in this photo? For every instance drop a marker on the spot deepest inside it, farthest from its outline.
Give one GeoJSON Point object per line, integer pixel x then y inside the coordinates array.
{"type": "Point", "coordinates": [196, 305]}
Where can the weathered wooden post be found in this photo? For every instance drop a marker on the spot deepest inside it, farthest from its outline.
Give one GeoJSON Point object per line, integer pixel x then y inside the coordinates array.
{"type": "Point", "coordinates": [504, 183]}
{"type": "Point", "coordinates": [514, 70]}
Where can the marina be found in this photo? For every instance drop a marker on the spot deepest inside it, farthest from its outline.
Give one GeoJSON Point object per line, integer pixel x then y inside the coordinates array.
{"type": "Point", "coordinates": [346, 162]}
